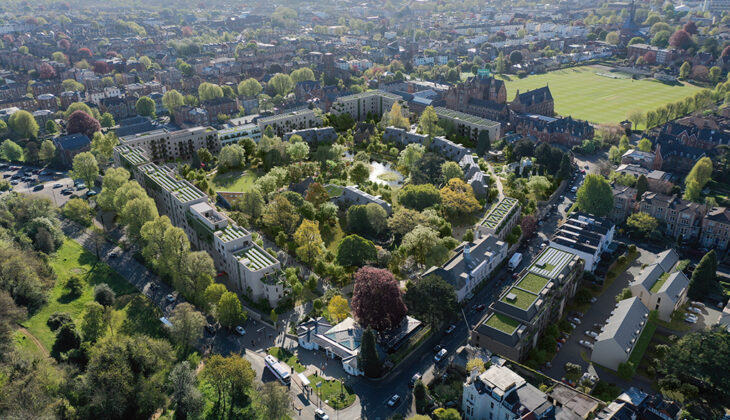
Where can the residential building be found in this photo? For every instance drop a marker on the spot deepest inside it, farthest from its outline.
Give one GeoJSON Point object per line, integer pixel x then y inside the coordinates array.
{"type": "Point", "coordinates": [70, 146]}
{"type": "Point", "coordinates": [352, 195]}
{"type": "Point", "coordinates": [716, 229]}
{"type": "Point", "coordinates": [295, 120]}
{"type": "Point", "coordinates": [485, 97]}
{"type": "Point", "coordinates": [441, 145]}
{"type": "Point", "coordinates": [663, 56]}
{"type": "Point", "coordinates": [659, 181]}
{"type": "Point", "coordinates": [500, 393]}
{"type": "Point", "coordinates": [477, 179]}
{"type": "Point", "coordinates": [360, 105]}
{"type": "Point", "coordinates": [660, 286]}
{"type": "Point", "coordinates": [162, 144]}
{"type": "Point", "coordinates": [234, 134]}
{"type": "Point", "coordinates": [468, 125]}
{"type": "Point", "coordinates": [681, 217]}
{"type": "Point", "coordinates": [314, 135]}
{"type": "Point", "coordinates": [620, 334]}
{"type": "Point", "coordinates": [537, 101]}
{"type": "Point", "coordinates": [250, 269]}
{"type": "Point", "coordinates": [473, 262]}
{"type": "Point", "coordinates": [624, 202]}
{"type": "Point", "coordinates": [648, 160]}
{"type": "Point", "coordinates": [501, 218]}
{"type": "Point", "coordinates": [567, 131]}
{"type": "Point", "coordinates": [585, 235]}
{"type": "Point", "coordinates": [537, 299]}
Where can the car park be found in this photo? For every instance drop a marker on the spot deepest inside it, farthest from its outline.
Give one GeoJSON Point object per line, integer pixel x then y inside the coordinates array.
{"type": "Point", "coordinates": [698, 304]}
{"type": "Point", "coordinates": [585, 343]}
{"type": "Point", "coordinates": [440, 355]}
{"type": "Point", "coordinates": [240, 330]}
{"type": "Point", "coordinates": [690, 320]}
{"type": "Point", "coordinates": [57, 186]}
{"type": "Point", "coordinates": [80, 187]}
{"type": "Point", "coordinates": [394, 400]}
{"type": "Point", "coordinates": [592, 334]}
{"type": "Point", "coordinates": [451, 329]}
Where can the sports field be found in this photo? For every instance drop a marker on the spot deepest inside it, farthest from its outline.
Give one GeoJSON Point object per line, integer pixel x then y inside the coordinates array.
{"type": "Point", "coordinates": [594, 94]}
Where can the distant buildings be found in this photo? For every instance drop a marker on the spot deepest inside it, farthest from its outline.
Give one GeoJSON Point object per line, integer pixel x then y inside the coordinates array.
{"type": "Point", "coordinates": [290, 121]}
{"type": "Point", "coordinates": [314, 135]}
{"type": "Point", "coordinates": [546, 129]}
{"type": "Point", "coordinates": [620, 334]}
{"type": "Point", "coordinates": [585, 235]}
{"type": "Point", "coordinates": [660, 286]}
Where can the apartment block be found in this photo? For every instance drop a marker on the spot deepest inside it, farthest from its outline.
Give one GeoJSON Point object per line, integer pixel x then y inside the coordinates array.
{"type": "Point", "coordinates": [162, 144]}
{"type": "Point", "coordinates": [290, 121]}
{"type": "Point", "coordinates": [682, 217]}
{"type": "Point", "coordinates": [351, 195]}
{"type": "Point", "coordinates": [660, 286]}
{"type": "Point", "coordinates": [360, 105]}
{"type": "Point", "coordinates": [234, 134]}
{"type": "Point", "coordinates": [585, 235]}
{"type": "Point", "coordinates": [716, 228]}
{"type": "Point", "coordinates": [537, 299]}
{"type": "Point", "coordinates": [250, 269]}
{"type": "Point", "coordinates": [501, 218]}
{"type": "Point", "coordinates": [469, 126]}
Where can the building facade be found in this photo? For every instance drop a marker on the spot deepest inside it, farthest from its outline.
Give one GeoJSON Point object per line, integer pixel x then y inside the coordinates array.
{"type": "Point", "coordinates": [163, 145]}
{"type": "Point", "coordinates": [585, 235]}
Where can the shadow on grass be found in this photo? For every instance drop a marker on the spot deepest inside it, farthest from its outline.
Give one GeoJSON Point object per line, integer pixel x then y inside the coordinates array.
{"type": "Point", "coordinates": [143, 317]}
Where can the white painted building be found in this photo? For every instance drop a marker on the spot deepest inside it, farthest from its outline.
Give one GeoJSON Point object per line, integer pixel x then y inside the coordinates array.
{"type": "Point", "coordinates": [619, 336]}
{"type": "Point", "coordinates": [585, 235]}
{"type": "Point", "coordinates": [660, 287]}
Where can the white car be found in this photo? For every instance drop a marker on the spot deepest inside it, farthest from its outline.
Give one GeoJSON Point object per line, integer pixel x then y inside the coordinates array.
{"type": "Point", "coordinates": [319, 414]}
{"type": "Point", "coordinates": [688, 315]}
{"type": "Point", "coordinates": [394, 400]}
{"type": "Point", "coordinates": [451, 329]}
{"type": "Point", "coordinates": [592, 334]}
{"type": "Point", "coordinates": [170, 298]}
{"type": "Point", "coordinates": [690, 320]}
{"type": "Point", "coordinates": [585, 343]}
{"type": "Point", "coordinates": [698, 304]}
{"type": "Point", "coordinates": [694, 310]}
{"type": "Point", "coordinates": [440, 355]}
{"type": "Point", "coordinates": [574, 320]}
{"type": "Point", "coordinates": [240, 330]}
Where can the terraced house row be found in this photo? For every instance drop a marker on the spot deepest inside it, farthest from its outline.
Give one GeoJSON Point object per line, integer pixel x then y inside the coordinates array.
{"type": "Point", "coordinates": [517, 319]}
{"type": "Point", "coordinates": [250, 269]}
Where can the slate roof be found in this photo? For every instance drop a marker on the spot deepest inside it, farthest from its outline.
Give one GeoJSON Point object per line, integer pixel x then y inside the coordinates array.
{"type": "Point", "coordinates": [629, 316]}
{"type": "Point", "coordinates": [535, 96]}
{"type": "Point", "coordinates": [73, 141]}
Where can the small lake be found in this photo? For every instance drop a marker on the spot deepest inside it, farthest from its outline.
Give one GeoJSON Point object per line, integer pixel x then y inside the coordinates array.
{"type": "Point", "coordinates": [384, 174]}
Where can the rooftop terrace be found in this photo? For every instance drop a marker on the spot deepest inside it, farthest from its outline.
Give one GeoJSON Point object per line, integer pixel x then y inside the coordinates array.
{"type": "Point", "coordinates": [255, 259]}
{"type": "Point", "coordinates": [502, 323]}
{"type": "Point", "coordinates": [533, 283]}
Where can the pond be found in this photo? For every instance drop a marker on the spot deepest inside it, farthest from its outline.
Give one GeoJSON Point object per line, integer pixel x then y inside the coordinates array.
{"type": "Point", "coordinates": [384, 174]}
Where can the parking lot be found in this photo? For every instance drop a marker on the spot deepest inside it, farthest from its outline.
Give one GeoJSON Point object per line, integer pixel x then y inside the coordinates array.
{"type": "Point", "coordinates": [57, 186]}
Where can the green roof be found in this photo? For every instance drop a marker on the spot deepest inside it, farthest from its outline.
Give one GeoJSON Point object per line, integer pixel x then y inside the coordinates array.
{"type": "Point", "coordinates": [182, 190]}
{"type": "Point", "coordinates": [659, 283]}
{"type": "Point", "coordinates": [132, 155]}
{"type": "Point", "coordinates": [456, 115]}
{"type": "Point", "coordinates": [370, 93]}
{"type": "Point", "coordinates": [502, 323]}
{"type": "Point", "coordinates": [533, 283]}
{"type": "Point", "coordinates": [232, 232]}
{"type": "Point", "coordinates": [257, 258]}
{"type": "Point", "coordinates": [523, 299]}
{"type": "Point", "coordinates": [550, 262]}
{"type": "Point", "coordinates": [500, 212]}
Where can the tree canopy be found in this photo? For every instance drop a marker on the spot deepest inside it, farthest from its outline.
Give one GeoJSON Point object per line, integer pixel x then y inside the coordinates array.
{"type": "Point", "coordinates": [595, 196]}
{"type": "Point", "coordinates": [377, 301]}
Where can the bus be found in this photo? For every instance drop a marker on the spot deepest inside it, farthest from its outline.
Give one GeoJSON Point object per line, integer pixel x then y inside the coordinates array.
{"type": "Point", "coordinates": [279, 370]}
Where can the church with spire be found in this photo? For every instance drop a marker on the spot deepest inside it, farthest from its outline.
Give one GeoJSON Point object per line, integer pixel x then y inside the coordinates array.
{"type": "Point", "coordinates": [629, 29]}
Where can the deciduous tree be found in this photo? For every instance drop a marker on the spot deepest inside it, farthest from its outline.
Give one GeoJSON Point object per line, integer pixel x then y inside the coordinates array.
{"type": "Point", "coordinates": [145, 106]}
{"type": "Point", "coordinates": [11, 150]}
{"type": "Point", "coordinates": [377, 301]}
{"type": "Point", "coordinates": [355, 251]}
{"type": "Point", "coordinates": [369, 360]}
{"type": "Point", "coordinates": [24, 124]}
{"type": "Point", "coordinates": [338, 308]}
{"type": "Point", "coordinates": [309, 241]}
{"type": "Point", "coordinates": [187, 325]}
{"type": "Point", "coordinates": [249, 88]}
{"type": "Point", "coordinates": [281, 84]}
{"type": "Point", "coordinates": [457, 198]}
{"type": "Point", "coordinates": [431, 299]}
{"type": "Point", "coordinates": [81, 122]}
{"type": "Point", "coordinates": [172, 100]}
{"type": "Point", "coordinates": [595, 196]}
{"type": "Point", "coordinates": [229, 310]}
{"type": "Point", "coordinates": [48, 151]}
{"type": "Point", "coordinates": [85, 168]}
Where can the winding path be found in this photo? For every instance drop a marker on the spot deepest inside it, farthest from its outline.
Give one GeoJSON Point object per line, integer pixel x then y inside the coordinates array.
{"type": "Point", "coordinates": [35, 340]}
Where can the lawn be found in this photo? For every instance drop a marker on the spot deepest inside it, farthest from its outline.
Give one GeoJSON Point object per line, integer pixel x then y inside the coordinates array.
{"type": "Point", "coordinates": [287, 357]}
{"type": "Point", "coordinates": [642, 344]}
{"type": "Point", "coordinates": [332, 236]}
{"type": "Point", "coordinates": [234, 181]}
{"type": "Point", "coordinates": [581, 93]}
{"type": "Point", "coordinates": [26, 345]}
{"type": "Point", "coordinates": [72, 259]}
{"type": "Point", "coordinates": [332, 392]}
{"type": "Point", "coordinates": [503, 323]}
{"type": "Point", "coordinates": [523, 299]}
{"type": "Point", "coordinates": [533, 283]}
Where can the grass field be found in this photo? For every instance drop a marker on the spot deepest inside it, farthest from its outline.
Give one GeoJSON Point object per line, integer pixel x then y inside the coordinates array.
{"type": "Point", "coordinates": [234, 181]}
{"type": "Point", "coordinates": [72, 259]}
{"type": "Point", "coordinates": [581, 93]}
{"type": "Point", "coordinates": [332, 392]}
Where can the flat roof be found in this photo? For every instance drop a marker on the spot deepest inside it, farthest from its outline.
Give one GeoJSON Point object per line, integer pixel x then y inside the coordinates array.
{"type": "Point", "coordinates": [456, 115]}
{"type": "Point", "coordinates": [255, 258]}
{"type": "Point", "coordinates": [550, 263]}
{"type": "Point", "coordinates": [370, 93]}
{"type": "Point", "coordinates": [519, 298]}
{"type": "Point", "coordinates": [502, 323]}
{"type": "Point", "coordinates": [132, 155]}
{"type": "Point", "coordinates": [181, 190]}
{"type": "Point", "coordinates": [533, 283]}
{"type": "Point", "coordinates": [499, 212]}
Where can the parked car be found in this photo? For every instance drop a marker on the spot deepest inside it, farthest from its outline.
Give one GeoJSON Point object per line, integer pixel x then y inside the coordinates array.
{"type": "Point", "coordinates": [38, 187]}
{"type": "Point", "coordinates": [440, 355]}
{"type": "Point", "coordinates": [594, 299]}
{"type": "Point", "coordinates": [394, 400]}
{"type": "Point", "coordinates": [170, 298]}
{"type": "Point", "coordinates": [240, 330]}
{"type": "Point", "coordinates": [690, 320]}
{"type": "Point", "coordinates": [437, 348]}
{"type": "Point", "coordinates": [694, 310]}
{"type": "Point", "coordinates": [592, 334]}
{"type": "Point", "coordinates": [574, 320]}
{"type": "Point", "coordinates": [57, 186]}
{"type": "Point", "coordinates": [319, 414]}
{"type": "Point", "coordinates": [415, 378]}
{"type": "Point", "coordinates": [698, 304]}
{"type": "Point", "coordinates": [90, 193]}
{"type": "Point", "coordinates": [480, 307]}
{"type": "Point", "coordinates": [451, 329]}
{"type": "Point", "coordinates": [585, 343]}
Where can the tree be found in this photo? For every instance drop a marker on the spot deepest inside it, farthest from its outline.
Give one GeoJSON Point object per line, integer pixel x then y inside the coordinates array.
{"type": "Point", "coordinates": [249, 88]}
{"type": "Point", "coordinates": [700, 174]}
{"type": "Point", "coordinates": [11, 150]}
{"type": "Point", "coordinates": [680, 39]}
{"type": "Point", "coordinates": [71, 85]}
{"type": "Point", "coordinates": [419, 395]}
{"type": "Point", "coordinates": [515, 57]}
{"type": "Point", "coordinates": [419, 242]}
{"type": "Point", "coordinates": [428, 122]}
{"type": "Point", "coordinates": [409, 157]}
{"type": "Point", "coordinates": [637, 117]}
{"type": "Point", "coordinates": [187, 399]}
{"type": "Point", "coordinates": [475, 363]}
{"type": "Point", "coordinates": [309, 241]}
{"type": "Point", "coordinates": [642, 185]}
{"type": "Point", "coordinates": [338, 308]}
{"type": "Point", "coordinates": [396, 118]}
{"type": "Point", "coordinates": [232, 156]}
{"type": "Point", "coordinates": [451, 170]}
{"type": "Point", "coordinates": [136, 213]}
{"type": "Point", "coordinates": [78, 210]}
{"type": "Point", "coordinates": [67, 338]}
{"type": "Point", "coordinates": [187, 325]}
{"type": "Point", "coordinates": [172, 100]}
{"type": "Point", "coordinates": [595, 196]}
{"type": "Point", "coordinates": [46, 71]}
{"type": "Point", "coordinates": [229, 310]}
{"type": "Point", "coordinates": [297, 151]}
{"type": "Point", "coordinates": [213, 293]}
{"type": "Point", "coordinates": [539, 186]}
{"type": "Point", "coordinates": [359, 172]}
{"type": "Point", "coordinates": [369, 360]}
{"type": "Point", "coordinates": [644, 145]}
{"type": "Point", "coordinates": [643, 223]}
{"type": "Point", "coordinates": [432, 299]}
{"type": "Point", "coordinates": [274, 400]}
{"type": "Point", "coordinates": [24, 124]}
{"type": "Point", "coordinates": [103, 294]}
{"type": "Point", "coordinates": [457, 198]}
{"type": "Point", "coordinates": [612, 37]}
{"type": "Point", "coordinates": [377, 302]}
{"type": "Point", "coordinates": [301, 75]}
{"type": "Point", "coordinates": [102, 145]}
{"type": "Point", "coordinates": [48, 151]}
{"type": "Point", "coordinates": [145, 106]}
{"type": "Point", "coordinates": [419, 197]}
{"type": "Point", "coordinates": [113, 179]}
{"type": "Point", "coordinates": [251, 203]}
{"type": "Point", "coordinates": [209, 91]}
{"type": "Point", "coordinates": [500, 63]}
{"type": "Point", "coordinates": [204, 155]}
{"type": "Point", "coordinates": [107, 120]}
{"type": "Point", "coordinates": [404, 220]}
{"type": "Point", "coordinates": [281, 84]}
{"type": "Point", "coordinates": [174, 252]}
{"type": "Point", "coordinates": [280, 214]}
{"type": "Point", "coordinates": [93, 324]}
{"type": "Point", "coordinates": [85, 168]}
{"type": "Point", "coordinates": [636, 40]}
{"type": "Point", "coordinates": [81, 122]}
{"type": "Point", "coordinates": [447, 414]}
{"type": "Point", "coordinates": [704, 278]}
{"type": "Point", "coordinates": [483, 143]}
{"type": "Point", "coordinates": [317, 194]}
{"type": "Point", "coordinates": [355, 251]}
{"type": "Point", "coordinates": [684, 70]}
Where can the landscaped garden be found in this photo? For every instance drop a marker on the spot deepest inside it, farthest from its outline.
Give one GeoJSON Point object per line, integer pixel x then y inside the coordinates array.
{"type": "Point", "coordinates": [287, 357]}
{"type": "Point", "coordinates": [583, 93]}
{"type": "Point", "coordinates": [332, 392]}
{"type": "Point", "coordinates": [234, 181]}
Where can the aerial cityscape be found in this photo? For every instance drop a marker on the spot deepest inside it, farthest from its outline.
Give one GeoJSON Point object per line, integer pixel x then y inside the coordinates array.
{"type": "Point", "coordinates": [401, 209]}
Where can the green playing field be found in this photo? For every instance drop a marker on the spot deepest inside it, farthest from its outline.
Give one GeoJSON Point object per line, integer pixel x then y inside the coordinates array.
{"type": "Point", "coordinates": [594, 94]}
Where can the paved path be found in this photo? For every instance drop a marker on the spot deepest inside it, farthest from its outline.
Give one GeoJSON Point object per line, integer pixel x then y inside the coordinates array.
{"type": "Point", "coordinates": [497, 181]}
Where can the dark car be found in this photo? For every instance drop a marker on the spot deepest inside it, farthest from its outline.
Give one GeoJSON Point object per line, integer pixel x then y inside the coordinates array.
{"type": "Point", "coordinates": [210, 328]}
{"type": "Point", "coordinates": [480, 307]}
{"type": "Point", "coordinates": [38, 187]}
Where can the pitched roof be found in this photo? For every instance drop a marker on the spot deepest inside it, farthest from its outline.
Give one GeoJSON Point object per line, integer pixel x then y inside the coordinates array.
{"type": "Point", "coordinates": [73, 141]}
{"type": "Point", "coordinates": [625, 323]}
